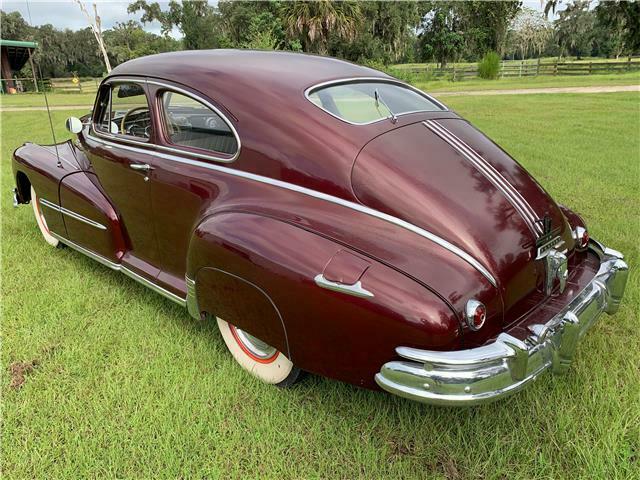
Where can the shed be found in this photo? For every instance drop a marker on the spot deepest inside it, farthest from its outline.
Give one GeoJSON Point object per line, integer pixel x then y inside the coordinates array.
{"type": "Point", "coordinates": [13, 55]}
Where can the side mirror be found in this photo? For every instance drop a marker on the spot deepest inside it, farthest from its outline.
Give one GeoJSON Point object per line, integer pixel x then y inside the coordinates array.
{"type": "Point", "coordinates": [74, 124]}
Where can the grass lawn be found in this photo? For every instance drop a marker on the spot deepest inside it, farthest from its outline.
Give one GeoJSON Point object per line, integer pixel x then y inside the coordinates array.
{"type": "Point", "coordinates": [126, 384]}
{"type": "Point", "coordinates": [632, 78]}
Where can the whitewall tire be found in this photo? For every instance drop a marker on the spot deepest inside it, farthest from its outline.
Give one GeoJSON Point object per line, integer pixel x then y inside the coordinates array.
{"type": "Point", "coordinates": [258, 358]}
{"type": "Point", "coordinates": [42, 222]}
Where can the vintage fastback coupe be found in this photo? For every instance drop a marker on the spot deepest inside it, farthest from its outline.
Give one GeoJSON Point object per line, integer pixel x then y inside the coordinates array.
{"type": "Point", "coordinates": [332, 218]}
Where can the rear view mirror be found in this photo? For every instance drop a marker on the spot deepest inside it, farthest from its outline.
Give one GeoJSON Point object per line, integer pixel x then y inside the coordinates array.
{"type": "Point", "coordinates": [74, 124]}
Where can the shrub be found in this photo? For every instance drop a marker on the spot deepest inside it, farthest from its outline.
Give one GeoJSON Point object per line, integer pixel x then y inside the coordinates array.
{"type": "Point", "coordinates": [489, 66]}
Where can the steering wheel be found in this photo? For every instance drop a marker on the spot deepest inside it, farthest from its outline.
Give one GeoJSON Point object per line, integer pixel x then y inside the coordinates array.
{"type": "Point", "coordinates": [130, 112]}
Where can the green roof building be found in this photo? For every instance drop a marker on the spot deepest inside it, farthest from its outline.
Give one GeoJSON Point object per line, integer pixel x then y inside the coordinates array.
{"type": "Point", "coordinates": [13, 56]}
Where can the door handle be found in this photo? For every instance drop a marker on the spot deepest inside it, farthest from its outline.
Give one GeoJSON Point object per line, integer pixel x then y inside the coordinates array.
{"type": "Point", "coordinates": [143, 167]}
{"type": "Point", "coordinates": [356, 289]}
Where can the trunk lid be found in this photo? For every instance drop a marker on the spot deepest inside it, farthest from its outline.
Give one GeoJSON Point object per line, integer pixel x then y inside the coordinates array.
{"type": "Point", "coordinates": [448, 178]}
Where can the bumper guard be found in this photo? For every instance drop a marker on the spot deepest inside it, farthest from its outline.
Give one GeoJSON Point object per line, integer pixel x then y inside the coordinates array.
{"type": "Point", "coordinates": [493, 371]}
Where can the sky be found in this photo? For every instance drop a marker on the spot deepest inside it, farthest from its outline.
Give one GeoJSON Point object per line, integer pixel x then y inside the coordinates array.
{"type": "Point", "coordinates": [67, 14]}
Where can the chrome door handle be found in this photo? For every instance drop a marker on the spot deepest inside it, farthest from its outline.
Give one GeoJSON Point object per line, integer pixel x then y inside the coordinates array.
{"type": "Point", "coordinates": [355, 289]}
{"type": "Point", "coordinates": [144, 167]}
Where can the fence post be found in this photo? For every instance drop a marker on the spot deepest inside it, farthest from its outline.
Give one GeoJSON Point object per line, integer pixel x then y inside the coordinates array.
{"type": "Point", "coordinates": [538, 67]}
{"type": "Point", "coordinates": [629, 64]}
{"type": "Point", "coordinates": [555, 68]}
{"type": "Point", "coordinates": [590, 68]}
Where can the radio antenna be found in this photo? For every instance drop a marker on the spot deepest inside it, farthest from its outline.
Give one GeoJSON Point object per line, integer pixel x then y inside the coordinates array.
{"type": "Point", "coordinates": [46, 100]}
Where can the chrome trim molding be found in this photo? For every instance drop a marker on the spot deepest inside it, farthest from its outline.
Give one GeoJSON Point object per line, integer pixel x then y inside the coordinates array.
{"type": "Point", "coordinates": [192, 301]}
{"type": "Point", "coordinates": [121, 268]}
{"type": "Point", "coordinates": [493, 371]}
{"type": "Point", "coordinates": [70, 213]}
{"type": "Point", "coordinates": [328, 198]}
{"type": "Point", "coordinates": [490, 173]}
{"type": "Point", "coordinates": [390, 80]}
{"type": "Point", "coordinates": [16, 199]}
{"type": "Point", "coordinates": [356, 289]}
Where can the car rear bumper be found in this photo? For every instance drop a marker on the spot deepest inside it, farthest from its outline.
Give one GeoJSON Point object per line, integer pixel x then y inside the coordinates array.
{"type": "Point", "coordinates": [487, 373]}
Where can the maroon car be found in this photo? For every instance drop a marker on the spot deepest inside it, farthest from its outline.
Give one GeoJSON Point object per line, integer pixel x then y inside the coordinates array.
{"type": "Point", "coordinates": [332, 218]}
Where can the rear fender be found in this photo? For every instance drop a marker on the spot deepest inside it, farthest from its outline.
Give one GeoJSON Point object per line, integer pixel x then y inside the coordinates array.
{"type": "Point", "coordinates": [260, 273]}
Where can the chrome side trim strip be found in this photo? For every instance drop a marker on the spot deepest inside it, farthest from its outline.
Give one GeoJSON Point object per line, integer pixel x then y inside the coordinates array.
{"type": "Point", "coordinates": [356, 289]}
{"type": "Point", "coordinates": [156, 288]}
{"type": "Point", "coordinates": [496, 178]}
{"type": "Point", "coordinates": [72, 214]}
{"type": "Point", "coordinates": [121, 268]}
{"type": "Point", "coordinates": [176, 149]}
{"type": "Point", "coordinates": [391, 80]}
{"type": "Point", "coordinates": [328, 198]}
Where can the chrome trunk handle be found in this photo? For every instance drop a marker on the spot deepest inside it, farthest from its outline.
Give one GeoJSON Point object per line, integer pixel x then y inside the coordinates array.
{"type": "Point", "coordinates": [355, 289]}
{"type": "Point", "coordinates": [144, 167]}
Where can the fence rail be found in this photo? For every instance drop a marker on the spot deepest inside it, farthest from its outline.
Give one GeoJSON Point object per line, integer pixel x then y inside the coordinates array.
{"type": "Point", "coordinates": [56, 85]}
{"type": "Point", "coordinates": [527, 69]}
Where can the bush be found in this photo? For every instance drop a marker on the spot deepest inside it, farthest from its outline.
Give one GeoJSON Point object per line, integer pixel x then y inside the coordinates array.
{"type": "Point", "coordinates": [489, 66]}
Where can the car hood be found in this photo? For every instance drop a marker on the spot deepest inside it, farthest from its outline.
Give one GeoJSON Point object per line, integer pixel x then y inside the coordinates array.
{"type": "Point", "coordinates": [446, 177]}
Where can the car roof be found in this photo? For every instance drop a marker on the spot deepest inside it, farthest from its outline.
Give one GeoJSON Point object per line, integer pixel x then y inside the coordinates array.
{"type": "Point", "coordinates": [244, 69]}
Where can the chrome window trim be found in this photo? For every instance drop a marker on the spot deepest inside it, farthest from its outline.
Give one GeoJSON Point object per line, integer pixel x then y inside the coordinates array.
{"type": "Point", "coordinates": [336, 200]}
{"type": "Point", "coordinates": [392, 81]}
{"type": "Point", "coordinates": [123, 138]}
{"type": "Point", "coordinates": [154, 147]}
{"type": "Point", "coordinates": [71, 213]}
{"type": "Point", "coordinates": [210, 106]}
{"type": "Point", "coordinates": [121, 268]}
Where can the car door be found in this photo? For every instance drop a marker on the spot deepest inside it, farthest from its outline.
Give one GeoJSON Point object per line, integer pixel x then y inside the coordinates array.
{"type": "Point", "coordinates": [122, 132]}
{"type": "Point", "coordinates": [198, 133]}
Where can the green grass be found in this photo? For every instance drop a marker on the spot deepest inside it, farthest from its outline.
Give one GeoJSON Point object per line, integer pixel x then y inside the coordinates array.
{"type": "Point", "coordinates": [128, 385]}
{"type": "Point", "coordinates": [632, 78]}
{"type": "Point", "coordinates": [55, 99]}
{"type": "Point", "coordinates": [530, 61]}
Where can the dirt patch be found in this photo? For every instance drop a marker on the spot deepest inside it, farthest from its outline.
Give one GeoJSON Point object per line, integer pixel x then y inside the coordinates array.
{"type": "Point", "coordinates": [402, 448]}
{"type": "Point", "coordinates": [18, 372]}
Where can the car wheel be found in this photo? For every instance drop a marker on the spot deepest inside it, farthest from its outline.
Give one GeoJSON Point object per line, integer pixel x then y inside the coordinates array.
{"type": "Point", "coordinates": [42, 223]}
{"type": "Point", "coordinates": [257, 357]}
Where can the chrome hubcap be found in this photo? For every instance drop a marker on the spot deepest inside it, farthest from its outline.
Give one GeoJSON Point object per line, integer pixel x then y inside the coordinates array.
{"type": "Point", "coordinates": [256, 346]}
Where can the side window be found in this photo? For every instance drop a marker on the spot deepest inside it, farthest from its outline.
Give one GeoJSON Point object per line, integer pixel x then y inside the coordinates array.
{"type": "Point", "coordinates": [124, 111]}
{"type": "Point", "coordinates": [193, 124]}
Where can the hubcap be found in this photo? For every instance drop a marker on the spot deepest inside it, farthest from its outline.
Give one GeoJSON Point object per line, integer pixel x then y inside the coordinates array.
{"type": "Point", "coordinates": [254, 345]}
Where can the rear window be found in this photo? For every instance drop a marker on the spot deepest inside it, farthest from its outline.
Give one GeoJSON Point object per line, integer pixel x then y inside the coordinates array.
{"type": "Point", "coordinates": [367, 102]}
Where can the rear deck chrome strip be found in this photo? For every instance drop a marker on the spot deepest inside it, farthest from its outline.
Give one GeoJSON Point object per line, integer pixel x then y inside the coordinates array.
{"type": "Point", "coordinates": [322, 196]}
{"type": "Point", "coordinates": [121, 268]}
{"type": "Point", "coordinates": [70, 213]}
{"type": "Point", "coordinates": [489, 171]}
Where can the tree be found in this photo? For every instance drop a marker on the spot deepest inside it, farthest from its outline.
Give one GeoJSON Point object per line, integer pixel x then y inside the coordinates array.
{"type": "Point", "coordinates": [530, 31]}
{"type": "Point", "coordinates": [442, 37]}
{"type": "Point", "coordinates": [620, 21]}
{"type": "Point", "coordinates": [14, 27]}
{"type": "Point", "coordinates": [96, 27]}
{"type": "Point", "coordinates": [314, 21]}
{"type": "Point", "coordinates": [196, 20]}
{"type": "Point", "coordinates": [574, 28]}
{"type": "Point", "coordinates": [486, 24]}
{"type": "Point", "coordinates": [127, 40]}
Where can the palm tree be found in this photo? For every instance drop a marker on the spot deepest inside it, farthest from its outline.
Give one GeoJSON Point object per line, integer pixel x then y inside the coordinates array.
{"type": "Point", "coordinates": [316, 20]}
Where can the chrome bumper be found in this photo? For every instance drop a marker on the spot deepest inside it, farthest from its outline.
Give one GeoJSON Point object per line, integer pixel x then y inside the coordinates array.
{"type": "Point", "coordinates": [16, 200]}
{"type": "Point", "coordinates": [480, 375]}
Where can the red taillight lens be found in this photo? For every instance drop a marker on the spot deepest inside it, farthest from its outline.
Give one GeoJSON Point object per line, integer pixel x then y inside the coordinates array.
{"type": "Point", "coordinates": [581, 237]}
{"type": "Point", "coordinates": [476, 314]}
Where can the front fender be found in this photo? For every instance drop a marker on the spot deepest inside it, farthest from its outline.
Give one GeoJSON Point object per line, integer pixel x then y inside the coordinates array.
{"type": "Point", "coordinates": [260, 273]}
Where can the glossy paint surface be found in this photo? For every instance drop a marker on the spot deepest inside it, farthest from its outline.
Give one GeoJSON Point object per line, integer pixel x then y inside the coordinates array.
{"type": "Point", "coordinates": [254, 247]}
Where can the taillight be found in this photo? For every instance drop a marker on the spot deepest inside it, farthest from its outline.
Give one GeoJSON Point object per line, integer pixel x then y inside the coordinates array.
{"type": "Point", "coordinates": [475, 314]}
{"type": "Point", "coordinates": [581, 237]}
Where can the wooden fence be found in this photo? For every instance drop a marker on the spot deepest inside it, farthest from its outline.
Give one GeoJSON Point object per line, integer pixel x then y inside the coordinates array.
{"type": "Point", "coordinates": [56, 85]}
{"type": "Point", "coordinates": [527, 69]}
